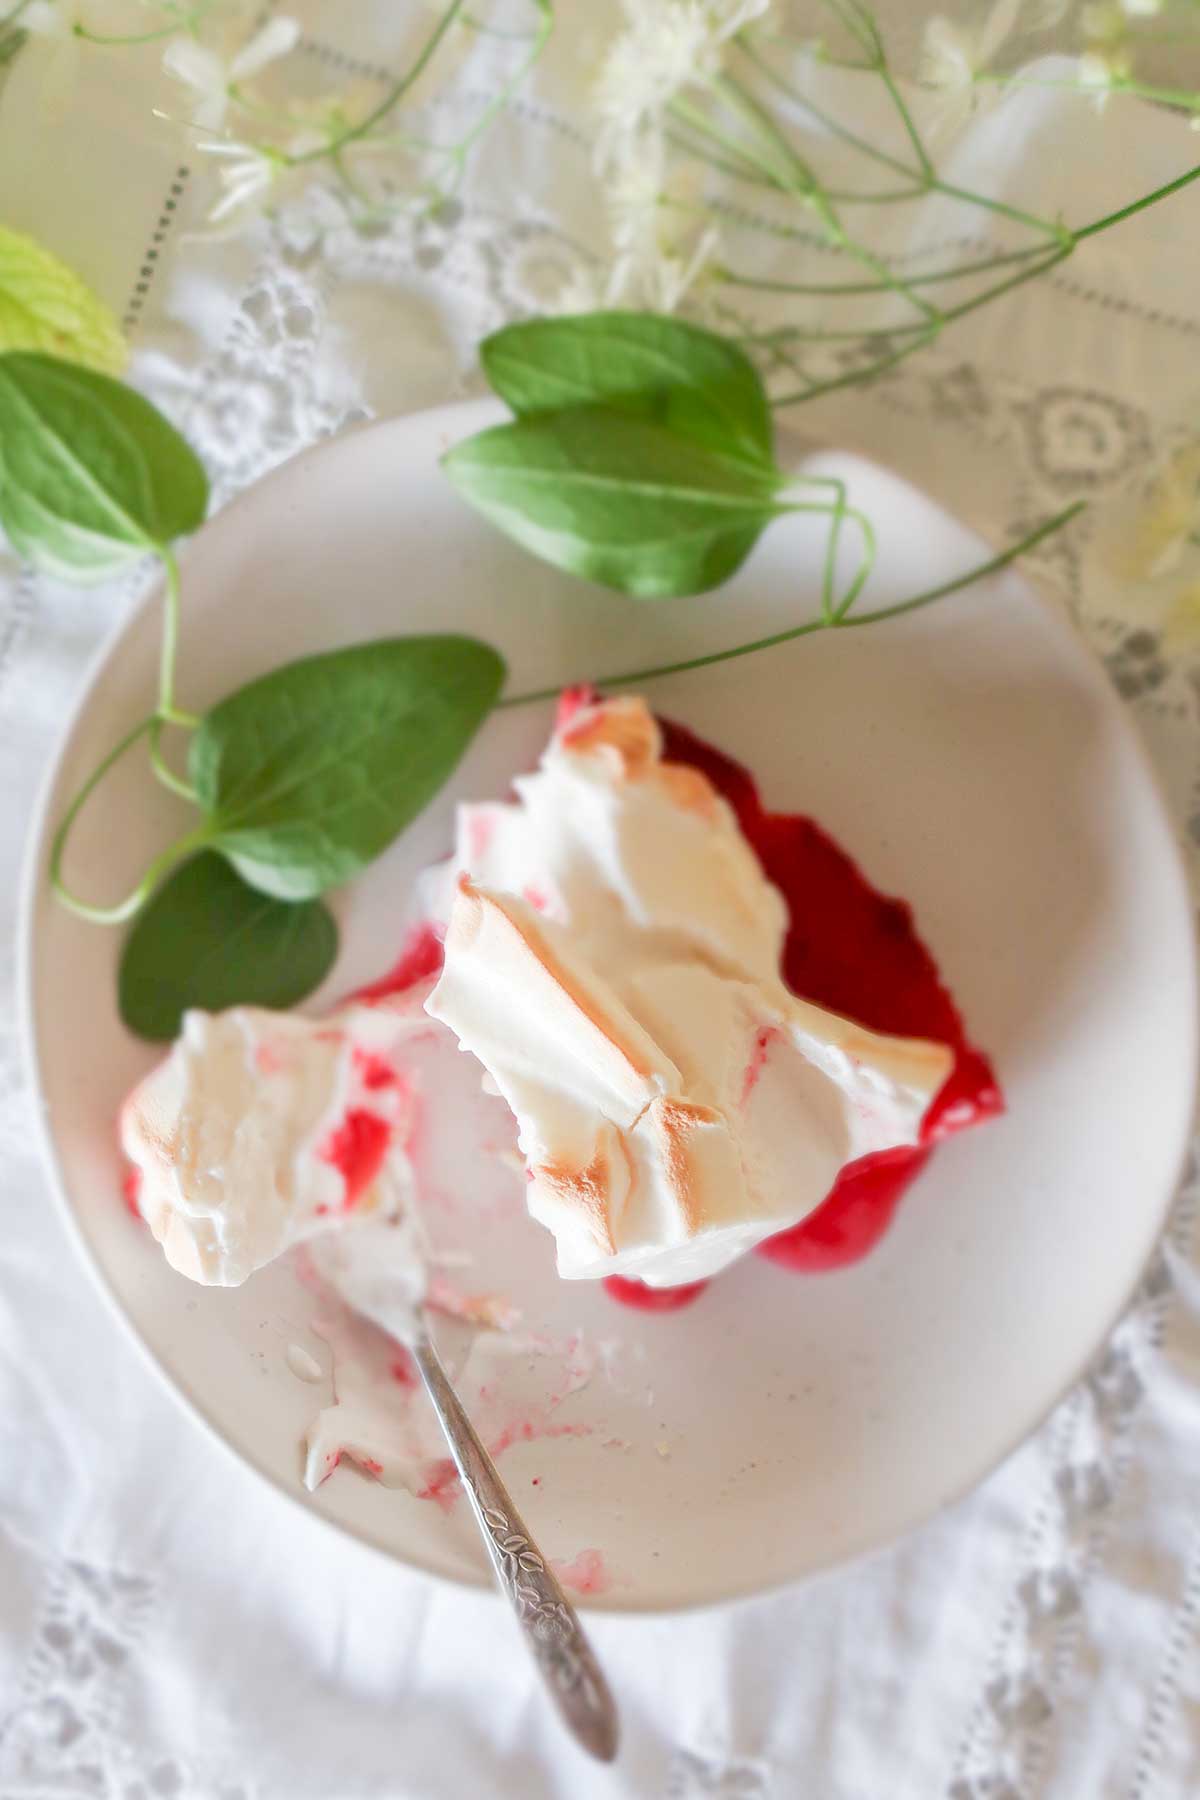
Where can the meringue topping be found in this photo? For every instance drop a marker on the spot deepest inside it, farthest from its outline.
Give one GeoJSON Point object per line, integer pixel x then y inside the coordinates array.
{"type": "Point", "coordinates": [262, 1129]}
{"type": "Point", "coordinates": [612, 958]}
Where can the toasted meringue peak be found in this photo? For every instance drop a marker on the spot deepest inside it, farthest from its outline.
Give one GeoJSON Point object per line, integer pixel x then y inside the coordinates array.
{"type": "Point", "coordinates": [612, 958]}
{"type": "Point", "coordinates": [624, 733]}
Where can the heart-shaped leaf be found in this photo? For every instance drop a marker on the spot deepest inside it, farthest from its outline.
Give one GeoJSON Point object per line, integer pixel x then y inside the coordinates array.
{"type": "Point", "coordinates": [309, 772]}
{"type": "Point", "coordinates": [697, 383]}
{"type": "Point", "coordinates": [618, 498]}
{"type": "Point", "coordinates": [45, 306]}
{"type": "Point", "coordinates": [91, 475]}
{"type": "Point", "coordinates": [208, 940]}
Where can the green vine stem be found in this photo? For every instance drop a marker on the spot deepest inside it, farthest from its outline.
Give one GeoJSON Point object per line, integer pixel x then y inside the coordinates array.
{"type": "Point", "coordinates": [133, 902]}
{"type": "Point", "coordinates": [991, 567]}
{"type": "Point", "coordinates": [1186, 99]}
{"type": "Point", "coordinates": [163, 770]}
{"type": "Point", "coordinates": [730, 277]}
{"type": "Point", "coordinates": [757, 149]}
{"type": "Point", "coordinates": [168, 712]}
{"type": "Point", "coordinates": [184, 20]}
{"type": "Point", "coordinates": [391, 99]}
{"type": "Point", "coordinates": [153, 726]}
{"type": "Point", "coordinates": [1071, 237]}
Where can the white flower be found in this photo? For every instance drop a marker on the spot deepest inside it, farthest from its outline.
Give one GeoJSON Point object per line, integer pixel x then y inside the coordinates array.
{"type": "Point", "coordinates": [247, 176]}
{"type": "Point", "coordinates": [45, 19]}
{"type": "Point", "coordinates": [1101, 70]}
{"type": "Point", "coordinates": [250, 176]}
{"type": "Point", "coordinates": [667, 45]}
{"type": "Point", "coordinates": [662, 241]}
{"type": "Point", "coordinates": [953, 54]}
{"type": "Point", "coordinates": [1106, 61]}
{"type": "Point", "coordinates": [211, 76]}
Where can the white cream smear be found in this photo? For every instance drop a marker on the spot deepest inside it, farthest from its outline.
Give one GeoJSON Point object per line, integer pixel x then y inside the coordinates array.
{"type": "Point", "coordinates": [612, 958]}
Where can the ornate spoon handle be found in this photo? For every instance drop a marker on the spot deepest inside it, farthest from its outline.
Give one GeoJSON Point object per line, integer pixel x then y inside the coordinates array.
{"type": "Point", "coordinates": [547, 1618]}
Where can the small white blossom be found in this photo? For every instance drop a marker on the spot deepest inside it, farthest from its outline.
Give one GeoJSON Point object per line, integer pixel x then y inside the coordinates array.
{"type": "Point", "coordinates": [247, 175]}
{"type": "Point", "coordinates": [953, 54]}
{"type": "Point", "coordinates": [211, 76]}
{"type": "Point", "coordinates": [1106, 61]}
{"type": "Point", "coordinates": [45, 19]}
{"type": "Point", "coordinates": [250, 176]}
{"type": "Point", "coordinates": [1100, 71]}
{"type": "Point", "coordinates": [668, 45]}
{"type": "Point", "coordinates": [662, 241]}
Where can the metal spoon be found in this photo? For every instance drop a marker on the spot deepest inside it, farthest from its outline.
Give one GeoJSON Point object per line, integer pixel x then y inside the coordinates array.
{"type": "Point", "coordinates": [547, 1619]}
{"type": "Point", "coordinates": [370, 1281]}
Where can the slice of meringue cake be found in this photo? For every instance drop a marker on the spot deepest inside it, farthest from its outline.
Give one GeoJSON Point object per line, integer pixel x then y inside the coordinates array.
{"type": "Point", "coordinates": [611, 958]}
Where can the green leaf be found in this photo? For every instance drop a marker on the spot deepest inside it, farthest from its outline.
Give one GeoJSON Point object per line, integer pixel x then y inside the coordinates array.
{"type": "Point", "coordinates": [91, 475]}
{"type": "Point", "coordinates": [617, 498]}
{"type": "Point", "coordinates": [45, 306]}
{"type": "Point", "coordinates": [208, 940]}
{"type": "Point", "coordinates": [697, 383]}
{"type": "Point", "coordinates": [311, 771]}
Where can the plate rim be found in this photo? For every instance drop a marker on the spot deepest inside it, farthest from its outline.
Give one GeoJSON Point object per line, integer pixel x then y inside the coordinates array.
{"type": "Point", "coordinates": [456, 416]}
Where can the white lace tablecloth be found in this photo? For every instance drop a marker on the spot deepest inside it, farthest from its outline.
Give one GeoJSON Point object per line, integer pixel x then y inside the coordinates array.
{"type": "Point", "coordinates": [169, 1630]}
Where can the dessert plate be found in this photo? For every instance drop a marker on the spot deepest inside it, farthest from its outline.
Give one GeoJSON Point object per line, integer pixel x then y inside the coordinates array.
{"type": "Point", "coordinates": [974, 760]}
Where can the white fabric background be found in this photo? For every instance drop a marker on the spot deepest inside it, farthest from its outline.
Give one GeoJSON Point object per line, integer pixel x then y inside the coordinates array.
{"type": "Point", "coordinates": [168, 1629]}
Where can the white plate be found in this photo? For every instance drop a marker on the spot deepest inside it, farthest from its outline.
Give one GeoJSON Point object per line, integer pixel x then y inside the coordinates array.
{"type": "Point", "coordinates": [975, 761]}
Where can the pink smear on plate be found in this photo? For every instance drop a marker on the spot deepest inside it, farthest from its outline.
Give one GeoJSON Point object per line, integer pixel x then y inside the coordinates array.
{"type": "Point", "coordinates": [441, 1483]}
{"type": "Point", "coordinates": [584, 1574]}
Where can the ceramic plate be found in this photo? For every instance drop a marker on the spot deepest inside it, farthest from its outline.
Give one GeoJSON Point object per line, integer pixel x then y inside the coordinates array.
{"type": "Point", "coordinates": [972, 758]}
